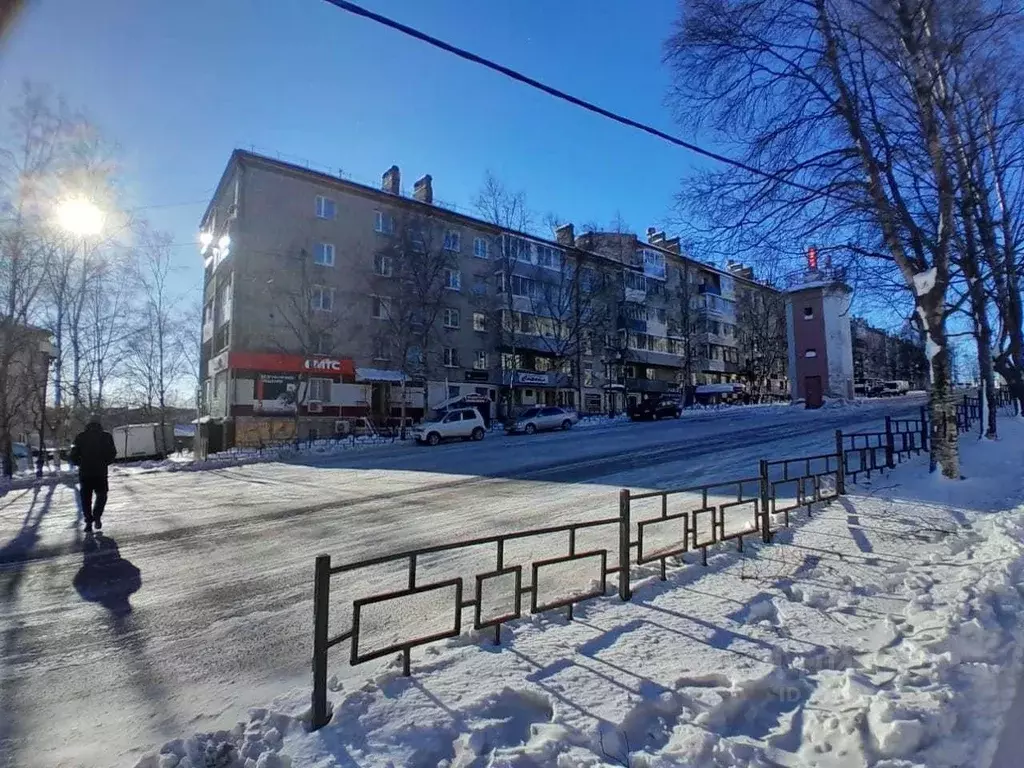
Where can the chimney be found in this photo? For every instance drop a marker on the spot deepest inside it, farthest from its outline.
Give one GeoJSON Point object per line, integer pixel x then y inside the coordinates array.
{"type": "Point", "coordinates": [650, 232]}
{"type": "Point", "coordinates": [423, 190]}
{"type": "Point", "coordinates": [655, 237]}
{"type": "Point", "coordinates": [672, 244]}
{"type": "Point", "coordinates": [391, 181]}
{"type": "Point", "coordinates": [566, 235]}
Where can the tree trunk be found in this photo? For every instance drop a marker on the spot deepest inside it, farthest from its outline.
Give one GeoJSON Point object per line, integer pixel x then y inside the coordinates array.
{"type": "Point", "coordinates": [945, 449]}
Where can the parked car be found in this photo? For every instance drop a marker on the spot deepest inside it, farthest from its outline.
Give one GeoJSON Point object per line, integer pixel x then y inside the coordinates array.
{"type": "Point", "coordinates": [22, 457]}
{"type": "Point", "coordinates": [465, 423]}
{"type": "Point", "coordinates": [895, 388]}
{"type": "Point", "coordinates": [656, 408]}
{"type": "Point", "coordinates": [542, 418]}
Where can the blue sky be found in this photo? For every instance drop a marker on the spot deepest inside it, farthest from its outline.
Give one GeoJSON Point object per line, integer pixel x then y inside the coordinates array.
{"type": "Point", "coordinates": [180, 84]}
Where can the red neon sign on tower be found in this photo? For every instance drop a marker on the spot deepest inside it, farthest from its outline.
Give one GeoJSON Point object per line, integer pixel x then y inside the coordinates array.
{"type": "Point", "coordinates": [812, 258]}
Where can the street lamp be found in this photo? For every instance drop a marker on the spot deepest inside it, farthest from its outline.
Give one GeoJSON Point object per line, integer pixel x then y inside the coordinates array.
{"type": "Point", "coordinates": [46, 354]}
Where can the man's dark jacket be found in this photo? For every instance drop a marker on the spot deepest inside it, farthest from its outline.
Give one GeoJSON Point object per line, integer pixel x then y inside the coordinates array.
{"type": "Point", "coordinates": [93, 451]}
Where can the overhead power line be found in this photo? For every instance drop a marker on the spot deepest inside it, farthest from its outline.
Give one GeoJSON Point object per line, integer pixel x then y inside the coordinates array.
{"type": "Point", "coordinates": [560, 94]}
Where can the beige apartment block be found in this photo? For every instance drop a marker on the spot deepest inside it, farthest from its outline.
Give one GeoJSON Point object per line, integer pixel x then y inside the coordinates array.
{"type": "Point", "coordinates": [328, 302]}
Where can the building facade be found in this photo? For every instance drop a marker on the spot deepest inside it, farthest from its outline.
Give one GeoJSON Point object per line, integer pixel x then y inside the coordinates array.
{"type": "Point", "coordinates": [327, 302]}
{"type": "Point", "coordinates": [25, 354]}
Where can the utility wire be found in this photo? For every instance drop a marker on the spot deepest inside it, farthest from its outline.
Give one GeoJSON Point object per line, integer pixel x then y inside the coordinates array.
{"type": "Point", "coordinates": [559, 94]}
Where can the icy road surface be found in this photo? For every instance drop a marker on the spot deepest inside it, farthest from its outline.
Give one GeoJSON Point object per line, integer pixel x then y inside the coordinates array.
{"type": "Point", "coordinates": [216, 566]}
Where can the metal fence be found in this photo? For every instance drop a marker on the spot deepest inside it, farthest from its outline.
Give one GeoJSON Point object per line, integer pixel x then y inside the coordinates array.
{"type": "Point", "coordinates": [651, 528]}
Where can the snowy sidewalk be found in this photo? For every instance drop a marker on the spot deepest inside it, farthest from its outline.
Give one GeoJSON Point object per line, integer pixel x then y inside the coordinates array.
{"type": "Point", "coordinates": [881, 632]}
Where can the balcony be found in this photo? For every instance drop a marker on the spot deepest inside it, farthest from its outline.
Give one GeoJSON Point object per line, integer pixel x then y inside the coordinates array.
{"type": "Point", "coordinates": [628, 324]}
{"type": "Point", "coordinates": [714, 290]}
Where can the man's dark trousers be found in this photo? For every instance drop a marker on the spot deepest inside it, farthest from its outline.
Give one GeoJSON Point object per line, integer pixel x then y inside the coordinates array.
{"type": "Point", "coordinates": [90, 486]}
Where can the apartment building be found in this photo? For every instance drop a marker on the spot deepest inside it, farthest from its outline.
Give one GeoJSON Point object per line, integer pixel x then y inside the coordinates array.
{"type": "Point", "coordinates": [328, 301]}
{"type": "Point", "coordinates": [678, 326]}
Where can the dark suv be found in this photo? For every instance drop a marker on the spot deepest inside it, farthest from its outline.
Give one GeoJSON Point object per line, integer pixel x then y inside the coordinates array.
{"type": "Point", "coordinates": [656, 408]}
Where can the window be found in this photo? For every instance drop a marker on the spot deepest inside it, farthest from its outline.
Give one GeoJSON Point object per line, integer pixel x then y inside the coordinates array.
{"type": "Point", "coordinates": [542, 364]}
{"type": "Point", "coordinates": [527, 324]}
{"type": "Point", "coordinates": [322, 299]}
{"type": "Point", "coordinates": [661, 315]}
{"type": "Point", "coordinates": [452, 279]}
{"type": "Point", "coordinates": [548, 257]}
{"type": "Point", "coordinates": [454, 415]}
{"type": "Point", "coordinates": [635, 281]}
{"type": "Point", "coordinates": [480, 361]}
{"type": "Point", "coordinates": [587, 343]}
{"type": "Point", "coordinates": [628, 371]}
{"type": "Point", "coordinates": [325, 208]}
{"type": "Point", "coordinates": [451, 357]}
{"type": "Point", "coordinates": [322, 344]}
{"type": "Point", "coordinates": [452, 241]}
{"type": "Point", "coordinates": [479, 285]}
{"type": "Point", "coordinates": [323, 254]}
{"type": "Point", "coordinates": [516, 249]}
{"type": "Point", "coordinates": [223, 313]}
{"type": "Point", "coordinates": [479, 321]}
{"type": "Point", "coordinates": [382, 348]}
{"type": "Point", "coordinates": [383, 223]}
{"type": "Point", "coordinates": [414, 356]}
{"type": "Point", "coordinates": [808, 313]}
{"type": "Point", "coordinates": [451, 318]}
{"type": "Point", "coordinates": [511, 362]}
{"type": "Point", "coordinates": [382, 265]}
{"type": "Point", "coordinates": [381, 307]}
{"type": "Point", "coordinates": [524, 286]}
{"type": "Point", "coordinates": [319, 389]}
{"type": "Point", "coordinates": [588, 374]}
{"type": "Point", "coordinates": [480, 247]}
{"type": "Point", "coordinates": [811, 353]}
{"type": "Point", "coordinates": [649, 374]}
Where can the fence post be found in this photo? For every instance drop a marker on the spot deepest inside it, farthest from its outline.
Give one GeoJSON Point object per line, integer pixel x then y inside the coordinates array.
{"type": "Point", "coordinates": [967, 414]}
{"type": "Point", "coordinates": [841, 471]}
{"type": "Point", "coordinates": [890, 460]}
{"type": "Point", "coordinates": [766, 533]}
{"type": "Point", "coordinates": [624, 533]}
{"type": "Point", "coordinates": [321, 604]}
{"type": "Point", "coordinates": [924, 428]}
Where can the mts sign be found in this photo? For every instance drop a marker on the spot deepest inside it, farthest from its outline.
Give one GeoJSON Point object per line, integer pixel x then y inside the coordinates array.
{"type": "Point", "coordinates": [321, 364]}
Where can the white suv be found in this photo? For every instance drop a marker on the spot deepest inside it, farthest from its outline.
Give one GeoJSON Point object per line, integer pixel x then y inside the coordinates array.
{"type": "Point", "coordinates": [462, 422]}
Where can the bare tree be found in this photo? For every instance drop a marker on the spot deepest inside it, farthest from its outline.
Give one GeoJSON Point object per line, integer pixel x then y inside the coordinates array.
{"type": "Point", "coordinates": [312, 318]}
{"type": "Point", "coordinates": [761, 337]}
{"type": "Point", "coordinates": [156, 358]}
{"type": "Point", "coordinates": [507, 212]}
{"type": "Point", "coordinates": [413, 271]}
{"type": "Point", "coordinates": [845, 105]}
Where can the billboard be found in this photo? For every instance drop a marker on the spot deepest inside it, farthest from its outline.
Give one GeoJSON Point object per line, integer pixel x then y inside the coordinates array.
{"type": "Point", "coordinates": [277, 393]}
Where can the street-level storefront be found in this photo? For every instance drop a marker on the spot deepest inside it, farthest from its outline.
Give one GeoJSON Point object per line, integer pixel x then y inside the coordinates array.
{"type": "Point", "coordinates": [537, 388]}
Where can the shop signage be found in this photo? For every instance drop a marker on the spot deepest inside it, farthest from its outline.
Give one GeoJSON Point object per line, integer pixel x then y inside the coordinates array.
{"type": "Point", "coordinates": [276, 393]}
{"type": "Point", "coordinates": [540, 379]}
{"type": "Point", "coordinates": [263, 362]}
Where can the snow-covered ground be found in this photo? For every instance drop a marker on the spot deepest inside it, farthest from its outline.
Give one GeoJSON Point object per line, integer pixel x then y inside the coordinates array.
{"type": "Point", "coordinates": [216, 565]}
{"type": "Point", "coordinates": [882, 631]}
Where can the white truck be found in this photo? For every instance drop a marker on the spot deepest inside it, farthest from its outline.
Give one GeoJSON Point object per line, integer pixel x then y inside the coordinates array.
{"type": "Point", "coordinates": [142, 441]}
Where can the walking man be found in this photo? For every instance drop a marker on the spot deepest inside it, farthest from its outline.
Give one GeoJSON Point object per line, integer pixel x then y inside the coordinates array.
{"type": "Point", "coordinates": [93, 452]}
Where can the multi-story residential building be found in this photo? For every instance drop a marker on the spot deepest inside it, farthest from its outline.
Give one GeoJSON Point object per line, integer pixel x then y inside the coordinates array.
{"type": "Point", "coordinates": [880, 356]}
{"type": "Point", "coordinates": [327, 300]}
{"type": "Point", "coordinates": [677, 323]}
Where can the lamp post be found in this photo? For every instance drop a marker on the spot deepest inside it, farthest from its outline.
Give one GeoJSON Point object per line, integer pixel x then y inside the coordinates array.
{"type": "Point", "coordinates": [46, 354]}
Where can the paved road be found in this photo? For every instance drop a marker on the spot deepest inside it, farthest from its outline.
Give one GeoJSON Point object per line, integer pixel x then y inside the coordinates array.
{"type": "Point", "coordinates": [211, 612]}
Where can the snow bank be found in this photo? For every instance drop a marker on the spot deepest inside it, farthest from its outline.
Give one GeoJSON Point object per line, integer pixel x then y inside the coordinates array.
{"type": "Point", "coordinates": [924, 282]}
{"type": "Point", "coordinates": [879, 632]}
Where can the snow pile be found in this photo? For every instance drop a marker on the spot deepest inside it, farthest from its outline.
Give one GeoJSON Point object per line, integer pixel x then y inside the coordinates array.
{"type": "Point", "coordinates": [879, 632]}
